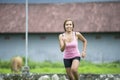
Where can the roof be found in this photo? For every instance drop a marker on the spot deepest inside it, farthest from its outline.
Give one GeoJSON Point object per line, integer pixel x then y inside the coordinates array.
{"type": "Point", "coordinates": [87, 17]}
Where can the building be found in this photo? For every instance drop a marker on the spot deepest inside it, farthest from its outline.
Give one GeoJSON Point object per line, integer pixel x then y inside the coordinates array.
{"type": "Point", "coordinates": [99, 22]}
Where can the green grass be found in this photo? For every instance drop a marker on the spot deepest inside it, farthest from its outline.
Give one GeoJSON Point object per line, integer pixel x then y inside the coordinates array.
{"type": "Point", "coordinates": [47, 70]}
{"type": "Point", "coordinates": [4, 70]}
{"type": "Point", "coordinates": [50, 67]}
{"type": "Point", "coordinates": [99, 70]}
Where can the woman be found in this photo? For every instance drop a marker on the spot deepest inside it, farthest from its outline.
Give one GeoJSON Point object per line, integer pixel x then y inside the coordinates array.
{"type": "Point", "coordinates": [69, 45]}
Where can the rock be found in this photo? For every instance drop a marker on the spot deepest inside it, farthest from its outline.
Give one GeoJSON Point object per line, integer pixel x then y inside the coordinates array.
{"type": "Point", "coordinates": [117, 79]}
{"type": "Point", "coordinates": [102, 76]}
{"type": "Point", "coordinates": [34, 76]}
{"type": "Point", "coordinates": [45, 77]}
{"type": "Point", "coordinates": [1, 78]}
{"type": "Point", "coordinates": [63, 78]}
{"type": "Point", "coordinates": [110, 76]}
{"type": "Point", "coordinates": [55, 77]}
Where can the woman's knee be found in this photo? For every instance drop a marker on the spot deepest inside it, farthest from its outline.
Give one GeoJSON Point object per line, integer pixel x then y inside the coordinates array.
{"type": "Point", "coordinates": [74, 70]}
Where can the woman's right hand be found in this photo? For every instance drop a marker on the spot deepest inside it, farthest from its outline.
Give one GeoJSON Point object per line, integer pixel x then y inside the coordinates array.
{"type": "Point", "coordinates": [64, 40]}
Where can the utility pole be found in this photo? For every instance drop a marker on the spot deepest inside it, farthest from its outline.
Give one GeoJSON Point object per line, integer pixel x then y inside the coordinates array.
{"type": "Point", "coordinates": [25, 69]}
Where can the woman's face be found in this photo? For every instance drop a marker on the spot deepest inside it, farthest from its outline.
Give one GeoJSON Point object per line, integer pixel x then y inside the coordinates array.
{"type": "Point", "coordinates": [69, 26]}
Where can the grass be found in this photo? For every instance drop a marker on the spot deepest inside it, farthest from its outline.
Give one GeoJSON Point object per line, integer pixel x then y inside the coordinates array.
{"type": "Point", "coordinates": [48, 67]}
{"type": "Point", "coordinates": [48, 70]}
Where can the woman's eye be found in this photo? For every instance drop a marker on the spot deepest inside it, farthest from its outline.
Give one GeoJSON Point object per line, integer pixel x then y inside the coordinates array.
{"type": "Point", "coordinates": [68, 24]}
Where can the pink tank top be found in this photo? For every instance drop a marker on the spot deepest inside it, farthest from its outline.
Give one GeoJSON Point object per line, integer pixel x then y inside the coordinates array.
{"type": "Point", "coordinates": [71, 49]}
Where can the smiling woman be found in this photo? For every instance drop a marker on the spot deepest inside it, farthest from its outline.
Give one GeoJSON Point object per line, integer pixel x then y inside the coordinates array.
{"type": "Point", "coordinates": [69, 44]}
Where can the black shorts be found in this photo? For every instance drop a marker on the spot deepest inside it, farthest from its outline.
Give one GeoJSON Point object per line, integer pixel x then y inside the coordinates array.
{"type": "Point", "coordinates": [68, 62]}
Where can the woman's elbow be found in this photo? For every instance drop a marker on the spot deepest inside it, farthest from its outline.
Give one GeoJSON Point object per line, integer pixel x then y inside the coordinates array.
{"type": "Point", "coordinates": [85, 41]}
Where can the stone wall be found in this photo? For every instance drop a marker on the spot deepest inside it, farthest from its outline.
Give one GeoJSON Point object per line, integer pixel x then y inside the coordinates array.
{"type": "Point", "coordinates": [58, 77]}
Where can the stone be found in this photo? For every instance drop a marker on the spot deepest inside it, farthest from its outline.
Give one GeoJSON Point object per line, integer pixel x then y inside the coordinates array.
{"type": "Point", "coordinates": [33, 76]}
{"type": "Point", "coordinates": [1, 78]}
{"type": "Point", "coordinates": [55, 77]}
{"type": "Point", "coordinates": [45, 77]}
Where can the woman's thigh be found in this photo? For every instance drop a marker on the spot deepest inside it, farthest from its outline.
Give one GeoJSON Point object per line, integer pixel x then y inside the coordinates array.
{"type": "Point", "coordinates": [75, 64]}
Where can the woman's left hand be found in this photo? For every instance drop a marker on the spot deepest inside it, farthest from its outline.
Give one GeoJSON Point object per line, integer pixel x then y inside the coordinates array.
{"type": "Point", "coordinates": [83, 54]}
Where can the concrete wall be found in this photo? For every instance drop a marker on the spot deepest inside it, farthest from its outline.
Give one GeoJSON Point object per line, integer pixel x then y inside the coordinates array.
{"type": "Point", "coordinates": [102, 47]}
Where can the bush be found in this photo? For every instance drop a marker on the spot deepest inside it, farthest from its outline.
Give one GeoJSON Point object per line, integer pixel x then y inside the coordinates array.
{"type": "Point", "coordinates": [4, 64]}
{"type": "Point", "coordinates": [44, 64]}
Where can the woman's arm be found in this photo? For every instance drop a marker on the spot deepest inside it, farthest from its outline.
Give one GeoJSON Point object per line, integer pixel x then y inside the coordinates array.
{"type": "Point", "coordinates": [62, 43]}
{"type": "Point", "coordinates": [82, 38]}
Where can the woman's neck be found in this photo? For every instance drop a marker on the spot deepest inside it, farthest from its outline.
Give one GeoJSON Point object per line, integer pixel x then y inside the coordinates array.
{"type": "Point", "coordinates": [69, 32]}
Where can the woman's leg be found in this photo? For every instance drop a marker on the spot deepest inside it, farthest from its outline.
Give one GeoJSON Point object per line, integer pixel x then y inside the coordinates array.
{"type": "Point", "coordinates": [69, 73]}
{"type": "Point", "coordinates": [74, 68]}
{"type": "Point", "coordinates": [67, 64]}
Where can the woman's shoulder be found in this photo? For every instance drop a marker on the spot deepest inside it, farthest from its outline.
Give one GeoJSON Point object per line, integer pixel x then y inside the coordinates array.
{"type": "Point", "coordinates": [77, 33]}
{"type": "Point", "coordinates": [62, 34]}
